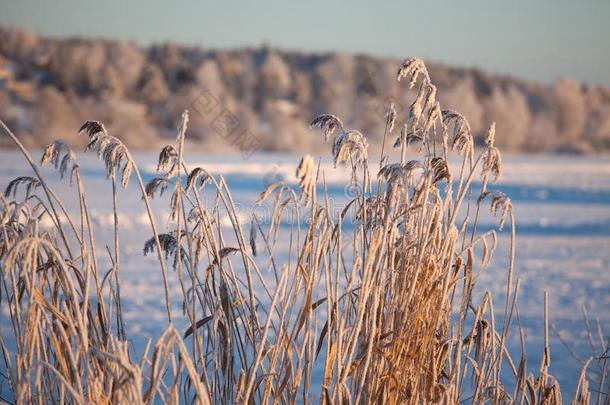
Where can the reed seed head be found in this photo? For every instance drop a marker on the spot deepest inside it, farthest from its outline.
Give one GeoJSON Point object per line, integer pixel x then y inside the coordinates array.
{"type": "Point", "coordinates": [329, 123]}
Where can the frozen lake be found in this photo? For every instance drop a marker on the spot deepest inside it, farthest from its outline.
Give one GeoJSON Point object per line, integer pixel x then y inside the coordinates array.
{"type": "Point", "coordinates": [562, 207]}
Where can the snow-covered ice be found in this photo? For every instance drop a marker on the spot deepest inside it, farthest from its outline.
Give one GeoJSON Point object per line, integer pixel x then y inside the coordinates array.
{"type": "Point", "coordinates": [562, 205]}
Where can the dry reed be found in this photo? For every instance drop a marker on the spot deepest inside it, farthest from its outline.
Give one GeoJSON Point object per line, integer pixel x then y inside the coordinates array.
{"type": "Point", "coordinates": [379, 312]}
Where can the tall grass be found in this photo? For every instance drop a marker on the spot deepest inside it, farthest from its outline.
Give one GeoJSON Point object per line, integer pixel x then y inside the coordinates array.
{"type": "Point", "coordinates": [377, 303]}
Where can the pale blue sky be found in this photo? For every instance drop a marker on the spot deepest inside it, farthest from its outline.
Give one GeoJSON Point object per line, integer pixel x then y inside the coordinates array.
{"type": "Point", "coordinates": [533, 39]}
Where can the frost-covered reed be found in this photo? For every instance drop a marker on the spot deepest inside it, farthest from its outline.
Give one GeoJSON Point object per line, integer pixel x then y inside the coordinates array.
{"type": "Point", "coordinates": [383, 311]}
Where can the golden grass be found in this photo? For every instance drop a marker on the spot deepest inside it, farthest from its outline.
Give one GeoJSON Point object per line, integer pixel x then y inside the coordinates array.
{"type": "Point", "coordinates": [384, 310]}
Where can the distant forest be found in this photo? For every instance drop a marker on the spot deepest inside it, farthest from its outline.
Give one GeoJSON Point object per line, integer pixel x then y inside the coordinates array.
{"type": "Point", "coordinates": [48, 87]}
